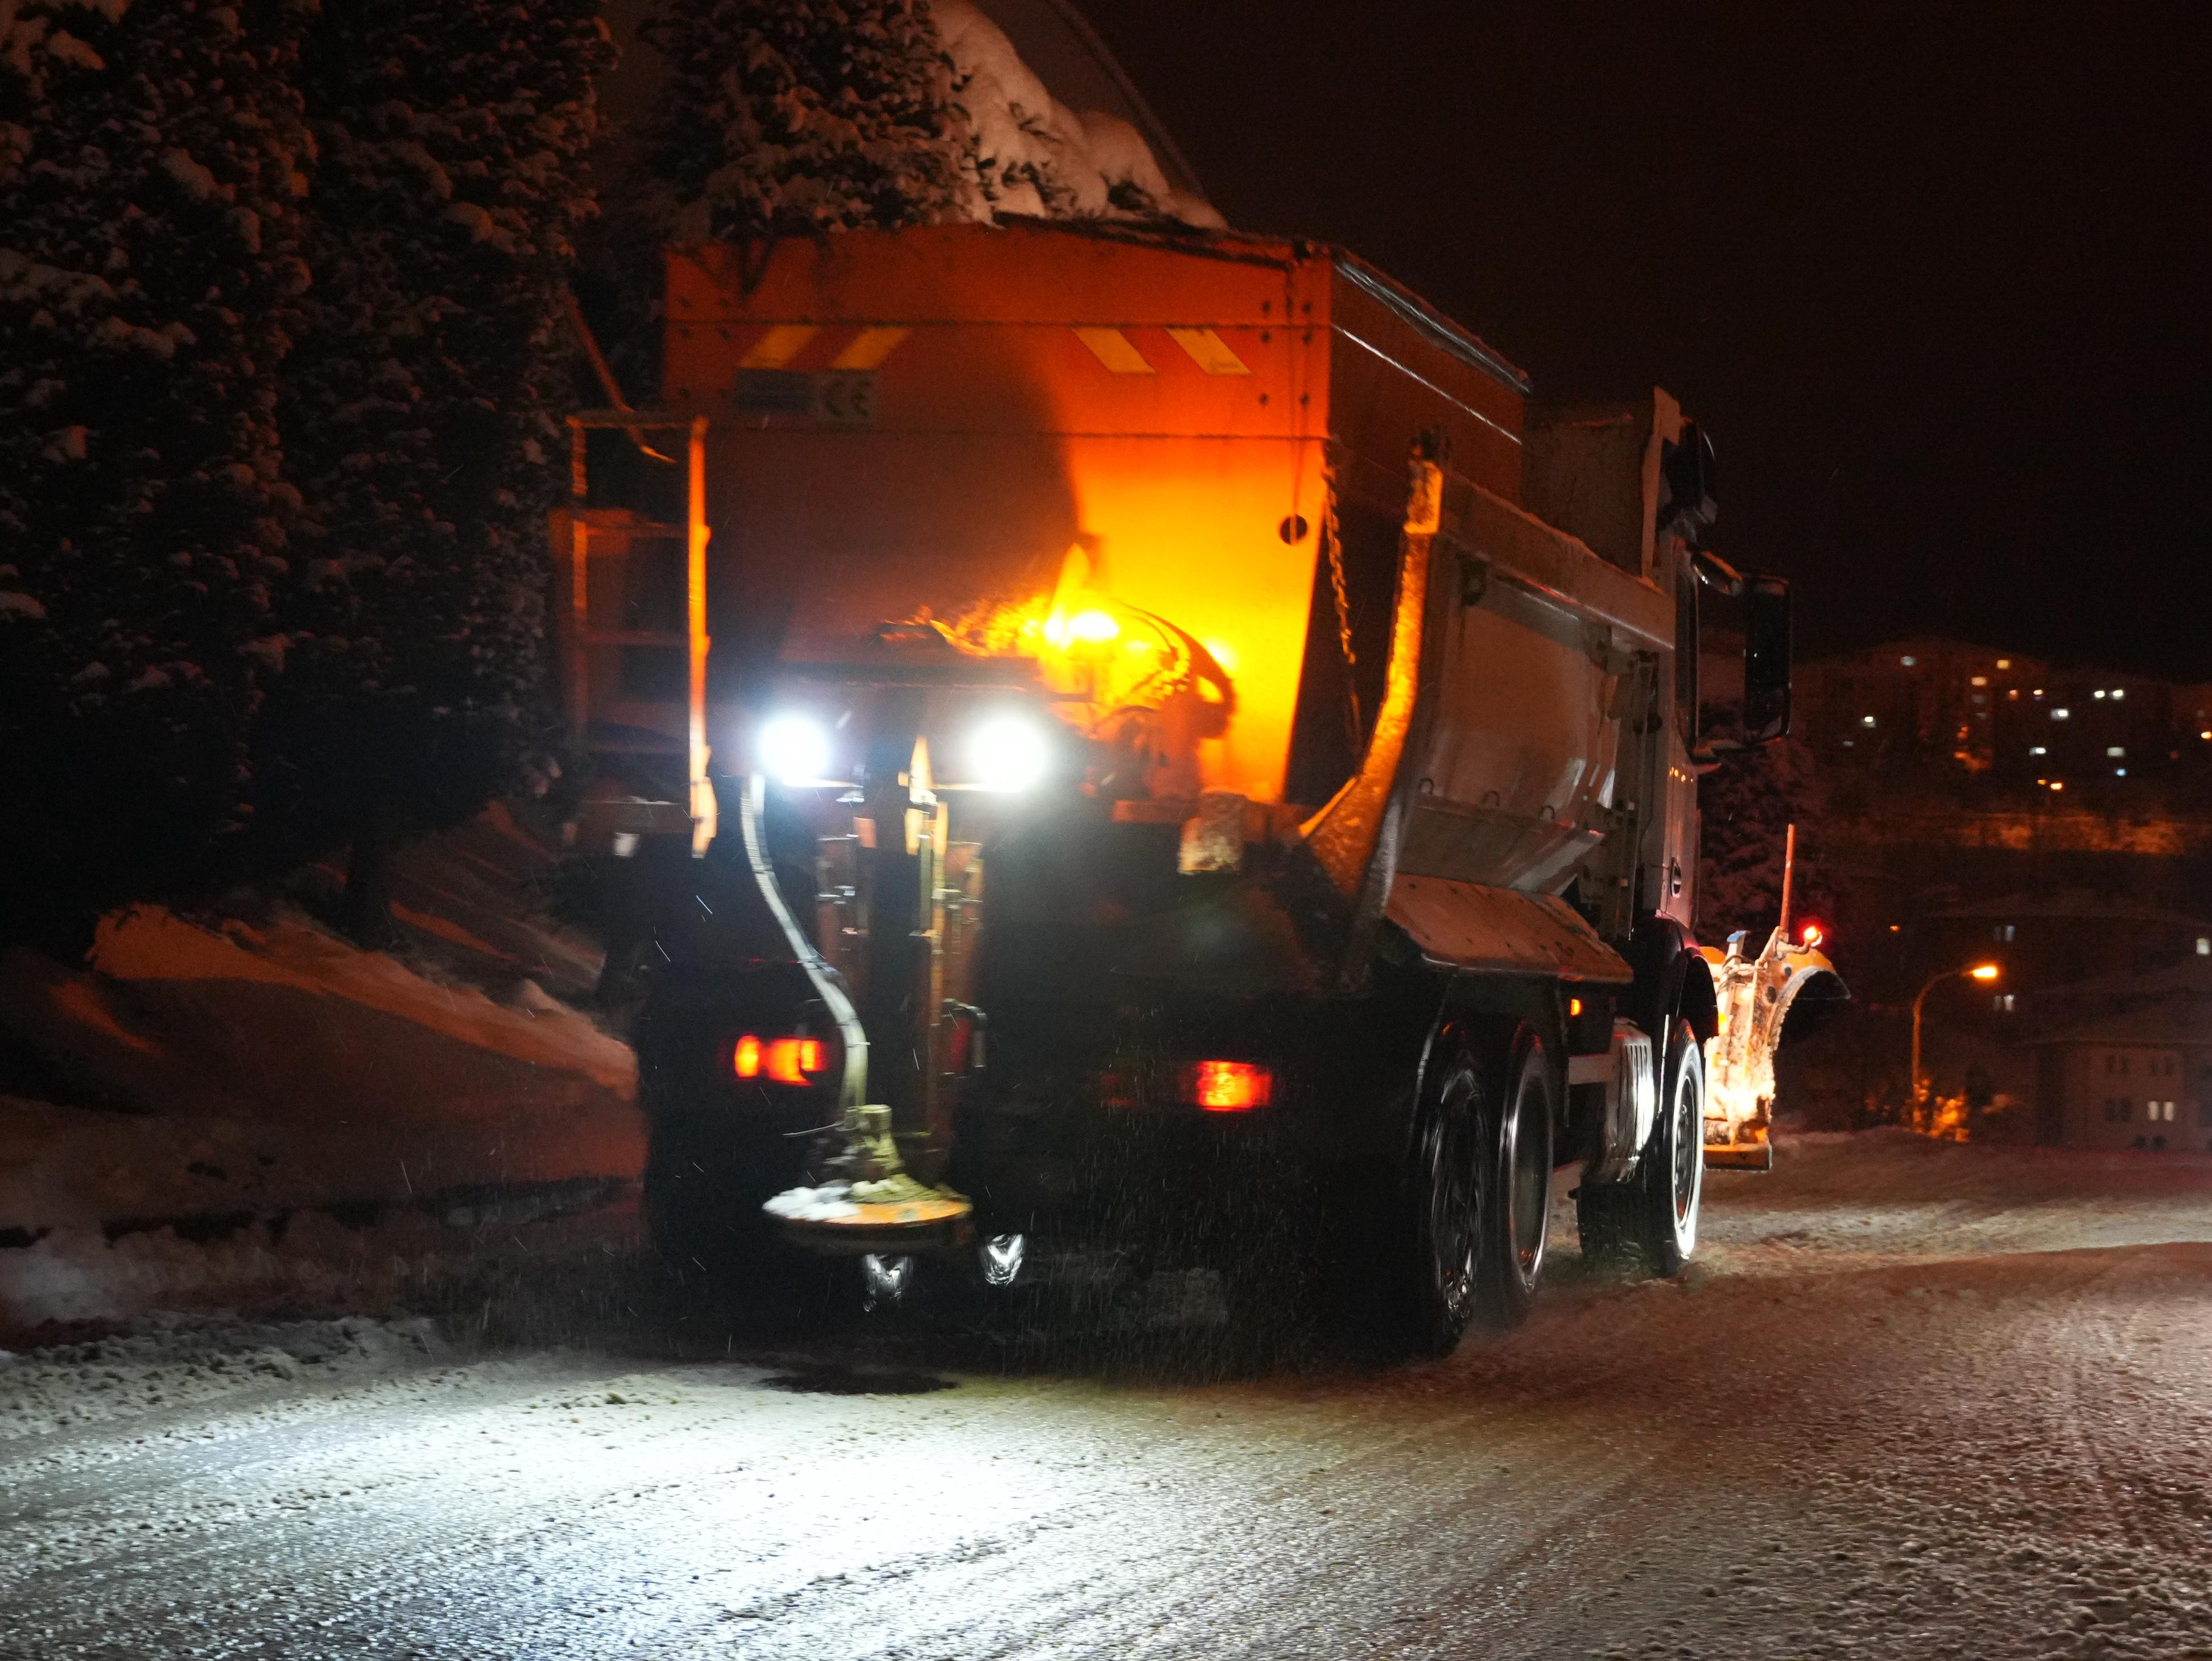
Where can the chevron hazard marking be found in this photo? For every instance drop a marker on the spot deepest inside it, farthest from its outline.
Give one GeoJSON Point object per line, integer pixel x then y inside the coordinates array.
{"type": "Point", "coordinates": [868, 348]}
{"type": "Point", "coordinates": [1209, 351]}
{"type": "Point", "coordinates": [1113, 348]}
{"type": "Point", "coordinates": [775, 348]}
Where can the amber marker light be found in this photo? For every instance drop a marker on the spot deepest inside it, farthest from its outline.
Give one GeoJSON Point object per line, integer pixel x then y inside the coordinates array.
{"type": "Point", "coordinates": [779, 1060]}
{"type": "Point", "coordinates": [1228, 1087]}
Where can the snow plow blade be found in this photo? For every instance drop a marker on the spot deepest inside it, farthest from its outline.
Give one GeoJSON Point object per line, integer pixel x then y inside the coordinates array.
{"type": "Point", "coordinates": [1754, 995]}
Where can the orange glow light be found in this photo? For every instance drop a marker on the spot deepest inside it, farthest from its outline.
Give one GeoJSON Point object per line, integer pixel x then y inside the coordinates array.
{"type": "Point", "coordinates": [1228, 1087]}
{"type": "Point", "coordinates": [1813, 935]}
{"type": "Point", "coordinates": [1093, 625]}
{"type": "Point", "coordinates": [1574, 1006]}
{"type": "Point", "coordinates": [1984, 972]}
{"type": "Point", "coordinates": [779, 1060]}
{"type": "Point", "coordinates": [790, 1059]}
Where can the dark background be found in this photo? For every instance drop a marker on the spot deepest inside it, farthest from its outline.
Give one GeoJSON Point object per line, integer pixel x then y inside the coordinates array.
{"type": "Point", "coordinates": [1933, 275]}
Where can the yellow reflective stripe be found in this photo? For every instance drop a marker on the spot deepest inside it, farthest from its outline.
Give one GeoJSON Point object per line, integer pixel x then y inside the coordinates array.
{"type": "Point", "coordinates": [868, 348]}
{"type": "Point", "coordinates": [1113, 348]}
{"type": "Point", "coordinates": [1209, 351]}
{"type": "Point", "coordinates": [779, 346]}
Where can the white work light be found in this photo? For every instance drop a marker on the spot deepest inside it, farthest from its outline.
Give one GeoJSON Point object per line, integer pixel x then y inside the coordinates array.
{"type": "Point", "coordinates": [1009, 753]}
{"type": "Point", "coordinates": [792, 749]}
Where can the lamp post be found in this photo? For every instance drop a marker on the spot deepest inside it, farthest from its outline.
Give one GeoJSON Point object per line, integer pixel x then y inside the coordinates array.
{"type": "Point", "coordinates": [1982, 972]}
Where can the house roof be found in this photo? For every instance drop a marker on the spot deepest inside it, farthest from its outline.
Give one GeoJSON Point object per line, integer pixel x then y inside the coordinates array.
{"type": "Point", "coordinates": [2081, 904]}
{"type": "Point", "coordinates": [2181, 1020]}
{"type": "Point", "coordinates": [2191, 974]}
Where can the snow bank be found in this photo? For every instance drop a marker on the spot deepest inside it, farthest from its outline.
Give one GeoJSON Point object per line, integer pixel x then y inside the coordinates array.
{"type": "Point", "coordinates": [246, 1095]}
{"type": "Point", "coordinates": [170, 1362]}
{"type": "Point", "coordinates": [1024, 152]}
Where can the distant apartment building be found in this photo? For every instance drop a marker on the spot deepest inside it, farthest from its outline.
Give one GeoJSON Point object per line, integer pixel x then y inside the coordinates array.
{"type": "Point", "coordinates": [1911, 700]}
{"type": "Point", "coordinates": [1984, 710]}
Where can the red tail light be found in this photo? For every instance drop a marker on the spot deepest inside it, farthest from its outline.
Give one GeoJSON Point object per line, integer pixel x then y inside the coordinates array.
{"type": "Point", "coordinates": [1228, 1087]}
{"type": "Point", "coordinates": [780, 1060]}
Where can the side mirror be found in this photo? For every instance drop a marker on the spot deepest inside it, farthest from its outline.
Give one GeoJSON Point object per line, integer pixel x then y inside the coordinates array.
{"type": "Point", "coordinates": [1766, 659]}
{"type": "Point", "coordinates": [1687, 469]}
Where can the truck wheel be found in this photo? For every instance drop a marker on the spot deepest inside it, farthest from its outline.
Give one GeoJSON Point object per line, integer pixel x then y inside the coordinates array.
{"type": "Point", "coordinates": [1654, 1214]}
{"type": "Point", "coordinates": [1516, 1189]}
{"type": "Point", "coordinates": [1673, 1169]}
{"type": "Point", "coordinates": [1430, 1285]}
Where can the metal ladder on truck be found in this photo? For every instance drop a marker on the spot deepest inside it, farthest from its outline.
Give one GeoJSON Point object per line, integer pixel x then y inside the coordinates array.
{"type": "Point", "coordinates": [630, 610]}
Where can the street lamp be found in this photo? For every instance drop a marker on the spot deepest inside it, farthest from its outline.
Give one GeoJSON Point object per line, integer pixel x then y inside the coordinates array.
{"type": "Point", "coordinates": [1982, 972]}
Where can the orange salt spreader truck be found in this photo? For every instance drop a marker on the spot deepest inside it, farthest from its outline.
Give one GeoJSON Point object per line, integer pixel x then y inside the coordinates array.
{"type": "Point", "coordinates": [1182, 752]}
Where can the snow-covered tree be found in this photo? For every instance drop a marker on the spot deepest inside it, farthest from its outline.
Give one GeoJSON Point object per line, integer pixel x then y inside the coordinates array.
{"type": "Point", "coordinates": [421, 409]}
{"type": "Point", "coordinates": [1747, 804]}
{"type": "Point", "coordinates": [799, 117]}
{"type": "Point", "coordinates": [785, 117]}
{"type": "Point", "coordinates": [151, 162]}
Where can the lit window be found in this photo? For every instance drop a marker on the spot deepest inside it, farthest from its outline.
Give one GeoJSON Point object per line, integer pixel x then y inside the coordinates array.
{"type": "Point", "coordinates": [2115, 749]}
{"type": "Point", "coordinates": [2004, 663]}
{"type": "Point", "coordinates": [1866, 720]}
{"type": "Point", "coordinates": [2204, 945]}
{"type": "Point", "coordinates": [1849, 744]}
{"type": "Point", "coordinates": [2003, 1003]}
{"type": "Point", "coordinates": [1908, 662]}
{"type": "Point", "coordinates": [2062, 714]}
{"type": "Point", "coordinates": [1979, 680]}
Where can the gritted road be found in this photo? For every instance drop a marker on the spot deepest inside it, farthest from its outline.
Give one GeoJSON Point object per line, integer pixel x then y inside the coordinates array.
{"type": "Point", "coordinates": [1913, 1402]}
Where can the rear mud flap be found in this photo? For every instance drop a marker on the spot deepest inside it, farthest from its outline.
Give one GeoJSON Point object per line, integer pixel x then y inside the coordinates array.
{"type": "Point", "coordinates": [1754, 1154]}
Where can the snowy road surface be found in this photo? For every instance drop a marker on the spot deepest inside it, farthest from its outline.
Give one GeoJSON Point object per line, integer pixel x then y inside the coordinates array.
{"type": "Point", "coordinates": [1913, 1402]}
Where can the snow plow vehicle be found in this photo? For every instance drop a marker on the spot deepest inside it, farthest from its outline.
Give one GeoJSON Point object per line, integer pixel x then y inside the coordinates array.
{"type": "Point", "coordinates": [1181, 746]}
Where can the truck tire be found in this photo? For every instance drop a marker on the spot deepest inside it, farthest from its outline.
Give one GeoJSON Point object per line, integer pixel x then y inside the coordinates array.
{"type": "Point", "coordinates": [1673, 1170]}
{"type": "Point", "coordinates": [1517, 1187]}
{"type": "Point", "coordinates": [1432, 1245]}
{"type": "Point", "coordinates": [1654, 1214]}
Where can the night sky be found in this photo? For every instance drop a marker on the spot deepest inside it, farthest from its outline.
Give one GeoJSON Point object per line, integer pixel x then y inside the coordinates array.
{"type": "Point", "coordinates": [1934, 276]}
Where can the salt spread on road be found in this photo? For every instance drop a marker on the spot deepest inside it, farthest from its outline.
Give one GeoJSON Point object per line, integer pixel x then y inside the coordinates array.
{"type": "Point", "coordinates": [1914, 1401]}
